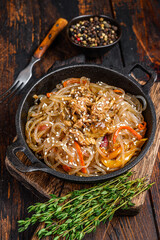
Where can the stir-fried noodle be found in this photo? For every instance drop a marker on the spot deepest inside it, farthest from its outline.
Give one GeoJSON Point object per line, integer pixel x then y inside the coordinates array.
{"type": "Point", "coordinates": [85, 129]}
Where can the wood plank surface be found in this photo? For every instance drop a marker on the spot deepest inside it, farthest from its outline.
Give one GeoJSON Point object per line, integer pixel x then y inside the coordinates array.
{"type": "Point", "coordinates": [23, 25]}
{"type": "Point", "coordinates": [137, 44]}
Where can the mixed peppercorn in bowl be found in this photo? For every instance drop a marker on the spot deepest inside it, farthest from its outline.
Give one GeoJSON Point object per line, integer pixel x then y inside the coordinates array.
{"type": "Point", "coordinates": [93, 34]}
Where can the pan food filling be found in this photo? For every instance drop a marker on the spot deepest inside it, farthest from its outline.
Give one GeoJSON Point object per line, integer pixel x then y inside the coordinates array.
{"type": "Point", "coordinates": [86, 129]}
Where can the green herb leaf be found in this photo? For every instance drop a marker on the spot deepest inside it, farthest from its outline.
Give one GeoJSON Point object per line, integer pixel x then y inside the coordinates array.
{"type": "Point", "coordinates": [81, 211]}
{"type": "Point", "coordinates": [56, 238]}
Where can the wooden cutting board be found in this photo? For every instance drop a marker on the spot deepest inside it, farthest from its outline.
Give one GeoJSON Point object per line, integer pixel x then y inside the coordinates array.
{"type": "Point", "coordinates": [43, 184]}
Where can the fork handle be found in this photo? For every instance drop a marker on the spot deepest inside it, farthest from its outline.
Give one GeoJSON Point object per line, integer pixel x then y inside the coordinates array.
{"type": "Point", "coordinates": [47, 41]}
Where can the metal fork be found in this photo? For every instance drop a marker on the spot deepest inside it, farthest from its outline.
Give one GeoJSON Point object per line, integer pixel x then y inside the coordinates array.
{"type": "Point", "coordinates": [22, 79]}
{"type": "Point", "coordinates": [25, 75]}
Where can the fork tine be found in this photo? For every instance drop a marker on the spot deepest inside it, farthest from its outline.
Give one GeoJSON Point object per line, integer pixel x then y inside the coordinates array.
{"type": "Point", "coordinates": [11, 88]}
{"type": "Point", "coordinates": [13, 93]}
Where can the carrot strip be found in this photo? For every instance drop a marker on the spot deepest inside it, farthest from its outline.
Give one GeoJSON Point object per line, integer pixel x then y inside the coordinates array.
{"type": "Point", "coordinates": [128, 128]}
{"type": "Point", "coordinates": [78, 148]}
{"type": "Point", "coordinates": [70, 81]}
{"type": "Point", "coordinates": [142, 125]}
{"type": "Point", "coordinates": [66, 168]}
{"type": "Point", "coordinates": [73, 80]}
{"type": "Point", "coordinates": [117, 91]}
{"type": "Point", "coordinates": [48, 94]}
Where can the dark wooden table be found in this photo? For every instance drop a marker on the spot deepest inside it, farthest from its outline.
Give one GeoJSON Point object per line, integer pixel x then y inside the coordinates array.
{"type": "Point", "coordinates": [23, 24]}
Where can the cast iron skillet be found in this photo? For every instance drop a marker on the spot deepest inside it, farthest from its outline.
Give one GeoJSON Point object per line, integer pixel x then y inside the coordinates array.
{"type": "Point", "coordinates": [95, 73]}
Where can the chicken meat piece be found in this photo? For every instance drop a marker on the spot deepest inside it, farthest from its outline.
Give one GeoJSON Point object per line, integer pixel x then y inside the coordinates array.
{"type": "Point", "coordinates": [79, 137]}
{"type": "Point", "coordinates": [79, 105]}
{"type": "Point", "coordinates": [100, 108]}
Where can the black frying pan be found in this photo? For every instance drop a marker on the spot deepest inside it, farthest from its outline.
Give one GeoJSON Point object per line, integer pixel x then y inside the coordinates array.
{"type": "Point", "coordinates": [95, 73]}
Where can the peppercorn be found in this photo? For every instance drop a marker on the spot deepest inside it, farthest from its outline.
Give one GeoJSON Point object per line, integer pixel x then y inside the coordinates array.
{"type": "Point", "coordinates": [115, 28]}
{"type": "Point", "coordinates": [95, 18]}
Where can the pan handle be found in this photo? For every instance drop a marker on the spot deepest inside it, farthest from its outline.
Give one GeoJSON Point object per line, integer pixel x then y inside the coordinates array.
{"type": "Point", "coordinates": [152, 76]}
{"type": "Point", "coordinates": [11, 154]}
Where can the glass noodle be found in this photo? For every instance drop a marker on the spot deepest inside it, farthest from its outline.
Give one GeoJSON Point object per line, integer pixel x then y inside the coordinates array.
{"type": "Point", "coordinates": [85, 128]}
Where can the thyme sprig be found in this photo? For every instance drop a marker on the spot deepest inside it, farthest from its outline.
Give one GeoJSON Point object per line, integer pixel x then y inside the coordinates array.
{"type": "Point", "coordinates": [81, 211]}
